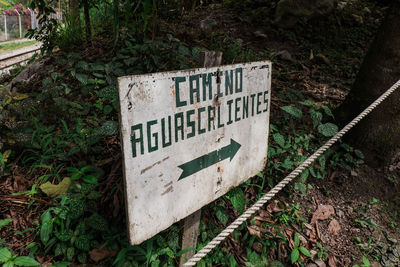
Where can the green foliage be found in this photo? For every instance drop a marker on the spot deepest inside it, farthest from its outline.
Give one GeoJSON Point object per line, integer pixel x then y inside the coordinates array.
{"type": "Point", "coordinates": [8, 259]}
{"type": "Point", "coordinates": [46, 32]}
{"type": "Point", "coordinates": [297, 249]}
{"type": "Point", "coordinates": [5, 222]}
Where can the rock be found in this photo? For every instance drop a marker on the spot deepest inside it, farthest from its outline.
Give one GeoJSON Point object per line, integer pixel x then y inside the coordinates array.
{"type": "Point", "coordinates": [289, 12]}
{"type": "Point", "coordinates": [320, 263]}
{"type": "Point", "coordinates": [311, 265]}
{"type": "Point", "coordinates": [26, 75]}
{"type": "Point", "coordinates": [339, 213]}
{"type": "Point", "coordinates": [358, 19]}
{"type": "Point", "coordinates": [208, 24]}
{"type": "Point", "coordinates": [313, 254]}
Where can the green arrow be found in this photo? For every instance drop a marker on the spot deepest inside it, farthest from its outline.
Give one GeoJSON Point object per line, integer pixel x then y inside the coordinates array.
{"type": "Point", "coordinates": [209, 159]}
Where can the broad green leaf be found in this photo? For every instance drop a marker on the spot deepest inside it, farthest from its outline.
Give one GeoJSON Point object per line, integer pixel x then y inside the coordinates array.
{"type": "Point", "coordinates": [45, 231]}
{"type": "Point", "coordinates": [304, 175]}
{"type": "Point", "coordinates": [5, 222]}
{"type": "Point", "coordinates": [83, 78]}
{"type": "Point", "coordinates": [65, 235]}
{"type": "Point", "coordinates": [292, 110]}
{"type": "Point", "coordinates": [301, 187]}
{"type": "Point", "coordinates": [8, 264]}
{"type": "Point", "coordinates": [70, 253]}
{"type": "Point", "coordinates": [294, 256]}
{"type": "Point", "coordinates": [77, 208]}
{"type": "Point", "coordinates": [365, 261]}
{"type": "Point", "coordinates": [328, 111]}
{"type": "Point", "coordinates": [108, 128]}
{"type": "Point", "coordinates": [307, 103]}
{"type": "Point", "coordinates": [82, 243]}
{"type": "Point", "coordinates": [279, 139]}
{"type": "Point", "coordinates": [97, 222]}
{"type": "Point", "coordinates": [237, 199]}
{"type": "Point", "coordinates": [359, 154]}
{"type": "Point", "coordinates": [222, 216]}
{"type": "Point", "coordinates": [296, 239]}
{"type": "Point", "coordinates": [26, 261]}
{"type": "Point", "coordinates": [5, 255]}
{"type": "Point", "coordinates": [90, 179]}
{"type": "Point", "coordinates": [328, 129]}
{"type": "Point", "coordinates": [316, 117]}
{"type": "Point", "coordinates": [305, 251]}
{"type": "Point", "coordinates": [53, 190]}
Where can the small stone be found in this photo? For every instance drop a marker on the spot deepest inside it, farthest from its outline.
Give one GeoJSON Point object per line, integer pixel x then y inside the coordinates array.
{"type": "Point", "coordinates": [313, 254]}
{"type": "Point", "coordinates": [320, 263]}
{"type": "Point", "coordinates": [358, 19]}
{"type": "Point", "coordinates": [339, 213]}
{"type": "Point", "coordinates": [260, 34]}
{"type": "Point", "coordinates": [311, 265]}
{"type": "Point", "coordinates": [353, 173]}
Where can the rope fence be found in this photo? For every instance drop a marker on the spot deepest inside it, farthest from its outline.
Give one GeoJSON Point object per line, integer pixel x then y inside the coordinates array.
{"type": "Point", "coordinates": [268, 196]}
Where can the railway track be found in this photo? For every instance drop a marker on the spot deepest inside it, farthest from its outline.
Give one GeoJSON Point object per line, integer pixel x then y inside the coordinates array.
{"type": "Point", "coordinates": [18, 57]}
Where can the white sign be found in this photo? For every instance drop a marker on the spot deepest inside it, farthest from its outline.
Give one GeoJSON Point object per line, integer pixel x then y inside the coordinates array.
{"type": "Point", "coordinates": [188, 137]}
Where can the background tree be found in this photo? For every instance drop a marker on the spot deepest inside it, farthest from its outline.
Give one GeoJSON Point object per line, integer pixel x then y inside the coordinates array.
{"type": "Point", "coordinates": [379, 133]}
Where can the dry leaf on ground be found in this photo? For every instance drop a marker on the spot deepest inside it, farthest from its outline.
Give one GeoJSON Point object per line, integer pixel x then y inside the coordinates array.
{"type": "Point", "coordinates": [331, 261]}
{"type": "Point", "coordinates": [322, 213]}
{"type": "Point", "coordinates": [334, 227]}
{"type": "Point", "coordinates": [54, 190]}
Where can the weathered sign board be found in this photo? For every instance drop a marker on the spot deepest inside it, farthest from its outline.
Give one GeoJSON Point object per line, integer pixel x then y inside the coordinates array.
{"type": "Point", "coordinates": [188, 137]}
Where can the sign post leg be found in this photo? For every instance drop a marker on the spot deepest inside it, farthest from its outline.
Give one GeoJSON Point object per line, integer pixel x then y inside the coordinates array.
{"type": "Point", "coordinates": [192, 222]}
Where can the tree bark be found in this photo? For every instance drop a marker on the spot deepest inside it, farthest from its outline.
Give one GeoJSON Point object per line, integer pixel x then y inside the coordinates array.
{"type": "Point", "coordinates": [87, 19]}
{"type": "Point", "coordinates": [74, 12]}
{"type": "Point", "coordinates": [378, 134]}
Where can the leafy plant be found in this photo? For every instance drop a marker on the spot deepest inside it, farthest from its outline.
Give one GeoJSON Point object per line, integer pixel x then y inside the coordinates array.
{"type": "Point", "coordinates": [8, 259]}
{"type": "Point", "coordinates": [297, 249]}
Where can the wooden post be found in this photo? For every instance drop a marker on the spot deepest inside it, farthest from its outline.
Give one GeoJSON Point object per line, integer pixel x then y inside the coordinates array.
{"type": "Point", "coordinates": [5, 26]}
{"type": "Point", "coordinates": [192, 222]}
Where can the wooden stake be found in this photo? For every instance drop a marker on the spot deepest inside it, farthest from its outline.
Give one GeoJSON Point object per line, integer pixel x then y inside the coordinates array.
{"type": "Point", "coordinates": [192, 222]}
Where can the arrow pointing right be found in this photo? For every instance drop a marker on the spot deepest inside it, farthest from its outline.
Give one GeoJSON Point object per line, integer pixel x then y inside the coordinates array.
{"type": "Point", "coordinates": [209, 159]}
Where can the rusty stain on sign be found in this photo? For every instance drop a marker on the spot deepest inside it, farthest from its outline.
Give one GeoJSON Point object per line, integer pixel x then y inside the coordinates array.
{"type": "Point", "coordinates": [188, 137]}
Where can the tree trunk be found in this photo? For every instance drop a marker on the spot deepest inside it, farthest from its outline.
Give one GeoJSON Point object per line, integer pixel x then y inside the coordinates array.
{"type": "Point", "coordinates": [87, 19]}
{"type": "Point", "coordinates": [74, 13]}
{"type": "Point", "coordinates": [378, 134]}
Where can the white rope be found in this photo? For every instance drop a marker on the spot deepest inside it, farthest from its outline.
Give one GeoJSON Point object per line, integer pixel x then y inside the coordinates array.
{"type": "Point", "coordinates": [253, 209]}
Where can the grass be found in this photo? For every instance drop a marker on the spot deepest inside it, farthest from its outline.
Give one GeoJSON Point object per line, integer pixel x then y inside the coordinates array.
{"type": "Point", "coordinates": [5, 48]}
